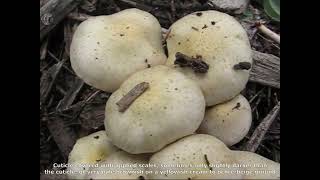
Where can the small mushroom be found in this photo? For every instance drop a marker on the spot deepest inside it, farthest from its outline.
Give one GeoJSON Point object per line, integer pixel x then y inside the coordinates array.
{"type": "Point", "coordinates": [229, 121]}
{"type": "Point", "coordinates": [222, 45]}
{"type": "Point", "coordinates": [170, 108]}
{"type": "Point", "coordinates": [119, 165]}
{"type": "Point", "coordinates": [107, 49]}
{"type": "Point", "coordinates": [89, 150]}
{"type": "Point", "coordinates": [199, 156]}
{"type": "Point", "coordinates": [258, 166]}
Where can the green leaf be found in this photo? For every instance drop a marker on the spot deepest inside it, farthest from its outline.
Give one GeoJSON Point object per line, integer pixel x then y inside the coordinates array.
{"type": "Point", "coordinates": [259, 1]}
{"type": "Point", "coordinates": [272, 9]}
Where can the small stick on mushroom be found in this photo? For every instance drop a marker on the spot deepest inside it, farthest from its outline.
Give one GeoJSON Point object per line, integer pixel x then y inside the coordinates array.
{"type": "Point", "coordinates": [272, 35]}
{"type": "Point", "coordinates": [207, 162]}
{"type": "Point", "coordinates": [132, 95]}
{"type": "Point", "coordinates": [197, 64]}
{"type": "Point", "coordinates": [259, 133]}
{"type": "Point", "coordinates": [242, 66]}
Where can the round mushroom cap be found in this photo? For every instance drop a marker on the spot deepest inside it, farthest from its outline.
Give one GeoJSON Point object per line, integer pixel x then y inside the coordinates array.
{"type": "Point", "coordinates": [106, 50]}
{"type": "Point", "coordinates": [222, 43]}
{"type": "Point", "coordinates": [119, 165]}
{"type": "Point", "coordinates": [230, 121]}
{"type": "Point", "coordinates": [172, 107]}
{"type": "Point", "coordinates": [89, 150]}
{"type": "Point", "coordinates": [258, 167]}
{"type": "Point", "coordinates": [192, 157]}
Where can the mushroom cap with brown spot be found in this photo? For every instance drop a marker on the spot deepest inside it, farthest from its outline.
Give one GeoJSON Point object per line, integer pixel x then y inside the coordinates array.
{"type": "Point", "coordinates": [107, 49]}
{"type": "Point", "coordinates": [172, 107]}
{"type": "Point", "coordinates": [221, 42]}
{"type": "Point", "coordinates": [89, 150]}
{"type": "Point", "coordinates": [188, 155]}
{"type": "Point", "coordinates": [259, 166]}
{"type": "Point", "coordinates": [119, 165]}
{"type": "Point", "coordinates": [230, 121]}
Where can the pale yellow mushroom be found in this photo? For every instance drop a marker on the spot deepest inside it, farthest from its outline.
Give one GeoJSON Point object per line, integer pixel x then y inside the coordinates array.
{"type": "Point", "coordinates": [120, 165]}
{"type": "Point", "coordinates": [172, 107]}
{"type": "Point", "coordinates": [197, 156]}
{"type": "Point", "coordinates": [107, 49]}
{"type": "Point", "coordinates": [230, 121]}
{"type": "Point", "coordinates": [88, 151]}
{"type": "Point", "coordinates": [184, 158]}
{"type": "Point", "coordinates": [221, 42]}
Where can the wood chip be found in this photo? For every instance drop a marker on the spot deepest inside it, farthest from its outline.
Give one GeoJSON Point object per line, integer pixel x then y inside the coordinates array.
{"type": "Point", "coordinates": [53, 12]}
{"type": "Point", "coordinates": [259, 133]}
{"type": "Point", "coordinates": [132, 95]}
{"type": "Point", "coordinates": [67, 33]}
{"type": "Point", "coordinates": [43, 49]}
{"type": "Point", "coordinates": [266, 31]}
{"type": "Point", "coordinates": [79, 16]}
{"type": "Point", "coordinates": [197, 64]}
{"type": "Point", "coordinates": [92, 117]}
{"type": "Point", "coordinates": [64, 136]}
{"type": "Point", "coordinates": [47, 80]}
{"type": "Point", "coordinates": [70, 95]}
{"type": "Point", "coordinates": [265, 69]}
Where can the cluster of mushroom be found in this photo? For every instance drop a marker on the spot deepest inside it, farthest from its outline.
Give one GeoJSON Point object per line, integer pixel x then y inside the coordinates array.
{"type": "Point", "coordinates": [158, 104]}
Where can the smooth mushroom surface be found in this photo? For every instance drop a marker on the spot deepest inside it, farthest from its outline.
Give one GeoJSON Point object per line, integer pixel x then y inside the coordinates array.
{"type": "Point", "coordinates": [221, 43]}
{"type": "Point", "coordinates": [170, 108]}
{"type": "Point", "coordinates": [89, 150]}
{"type": "Point", "coordinates": [119, 165]}
{"type": "Point", "coordinates": [198, 156]}
{"type": "Point", "coordinates": [258, 166]}
{"type": "Point", "coordinates": [107, 49]}
{"type": "Point", "coordinates": [230, 121]}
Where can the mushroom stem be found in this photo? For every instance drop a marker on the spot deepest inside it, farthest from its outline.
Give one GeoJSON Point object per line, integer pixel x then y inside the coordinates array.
{"type": "Point", "coordinates": [258, 134]}
{"type": "Point", "coordinates": [197, 64]}
{"type": "Point", "coordinates": [272, 35]}
{"type": "Point", "coordinates": [132, 95]}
